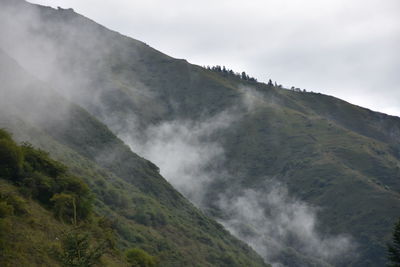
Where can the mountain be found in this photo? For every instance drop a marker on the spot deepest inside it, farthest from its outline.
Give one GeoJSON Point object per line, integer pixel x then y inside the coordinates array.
{"type": "Point", "coordinates": [144, 211]}
{"type": "Point", "coordinates": [304, 178]}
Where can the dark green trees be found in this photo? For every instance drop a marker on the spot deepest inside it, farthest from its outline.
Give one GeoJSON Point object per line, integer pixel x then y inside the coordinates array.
{"type": "Point", "coordinates": [230, 73]}
{"type": "Point", "coordinates": [44, 179]}
{"type": "Point", "coordinates": [10, 157]}
{"type": "Point", "coordinates": [394, 247]}
{"type": "Point", "coordinates": [49, 182]}
{"type": "Point", "coordinates": [41, 178]}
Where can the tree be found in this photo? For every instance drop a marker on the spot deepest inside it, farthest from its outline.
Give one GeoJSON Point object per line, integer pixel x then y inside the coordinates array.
{"type": "Point", "coordinates": [394, 247]}
{"type": "Point", "coordinates": [79, 251]}
{"type": "Point", "coordinates": [270, 84]}
{"type": "Point", "coordinates": [10, 157]}
{"type": "Point", "coordinates": [64, 207]}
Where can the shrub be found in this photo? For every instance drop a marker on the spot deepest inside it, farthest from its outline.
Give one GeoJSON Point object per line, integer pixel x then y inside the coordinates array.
{"type": "Point", "coordinates": [79, 251]}
{"type": "Point", "coordinates": [17, 203]}
{"type": "Point", "coordinates": [140, 258]}
{"type": "Point", "coordinates": [64, 207]}
{"type": "Point", "coordinates": [150, 217]}
{"type": "Point", "coordinates": [115, 198]}
{"type": "Point", "coordinates": [38, 160]}
{"type": "Point", "coordinates": [5, 229]}
{"type": "Point", "coordinates": [5, 209]}
{"type": "Point", "coordinates": [10, 159]}
{"type": "Point", "coordinates": [39, 187]}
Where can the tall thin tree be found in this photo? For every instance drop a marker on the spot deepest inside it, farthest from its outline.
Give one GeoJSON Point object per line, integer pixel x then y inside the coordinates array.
{"type": "Point", "coordinates": [394, 247]}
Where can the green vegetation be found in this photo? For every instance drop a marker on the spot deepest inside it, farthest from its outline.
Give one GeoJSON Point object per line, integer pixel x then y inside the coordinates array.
{"type": "Point", "coordinates": [30, 174]}
{"type": "Point", "coordinates": [231, 74]}
{"type": "Point", "coordinates": [44, 179]}
{"type": "Point", "coordinates": [137, 204]}
{"type": "Point", "coordinates": [10, 157]}
{"type": "Point", "coordinates": [137, 220]}
{"type": "Point", "coordinates": [140, 258]}
{"type": "Point", "coordinates": [331, 154]}
{"type": "Point", "coordinates": [77, 250]}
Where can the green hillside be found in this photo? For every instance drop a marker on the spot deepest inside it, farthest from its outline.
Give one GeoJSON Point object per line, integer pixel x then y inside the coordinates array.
{"type": "Point", "coordinates": [341, 160]}
{"type": "Point", "coordinates": [143, 210]}
{"type": "Point", "coordinates": [46, 216]}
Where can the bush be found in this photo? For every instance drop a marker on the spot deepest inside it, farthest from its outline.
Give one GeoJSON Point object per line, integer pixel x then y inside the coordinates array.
{"type": "Point", "coordinates": [79, 251]}
{"type": "Point", "coordinates": [150, 217]}
{"type": "Point", "coordinates": [5, 229]}
{"type": "Point", "coordinates": [140, 258]}
{"type": "Point", "coordinates": [38, 160]}
{"type": "Point", "coordinates": [17, 203]}
{"type": "Point", "coordinates": [5, 209]}
{"type": "Point", "coordinates": [64, 207]}
{"type": "Point", "coordinates": [10, 160]}
{"type": "Point", "coordinates": [39, 187]}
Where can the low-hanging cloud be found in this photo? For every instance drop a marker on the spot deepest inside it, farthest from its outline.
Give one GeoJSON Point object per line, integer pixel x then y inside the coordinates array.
{"type": "Point", "coordinates": [183, 152]}
{"type": "Point", "coordinates": [271, 221]}
{"type": "Point", "coordinates": [268, 219]}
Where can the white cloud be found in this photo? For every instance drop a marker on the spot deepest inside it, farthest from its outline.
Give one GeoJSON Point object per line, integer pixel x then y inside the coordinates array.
{"type": "Point", "coordinates": [269, 220]}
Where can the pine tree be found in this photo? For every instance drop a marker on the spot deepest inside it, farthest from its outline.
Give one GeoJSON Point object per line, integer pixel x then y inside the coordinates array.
{"type": "Point", "coordinates": [270, 84]}
{"type": "Point", "coordinates": [394, 247]}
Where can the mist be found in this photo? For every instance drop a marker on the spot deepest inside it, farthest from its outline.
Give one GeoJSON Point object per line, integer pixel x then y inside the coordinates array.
{"type": "Point", "coordinates": [272, 221]}
{"type": "Point", "coordinates": [181, 150]}
{"type": "Point", "coordinates": [269, 219]}
{"type": "Point", "coordinates": [188, 152]}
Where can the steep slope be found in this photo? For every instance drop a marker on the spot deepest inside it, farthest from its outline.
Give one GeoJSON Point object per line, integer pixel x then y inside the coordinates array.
{"type": "Point", "coordinates": [39, 226]}
{"type": "Point", "coordinates": [353, 177]}
{"type": "Point", "coordinates": [144, 210]}
{"type": "Point", "coordinates": [289, 157]}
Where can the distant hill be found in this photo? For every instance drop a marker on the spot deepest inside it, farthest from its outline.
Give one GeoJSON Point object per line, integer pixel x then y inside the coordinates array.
{"type": "Point", "coordinates": [304, 178]}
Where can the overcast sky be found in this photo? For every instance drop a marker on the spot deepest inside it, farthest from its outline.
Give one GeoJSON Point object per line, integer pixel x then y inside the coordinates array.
{"type": "Point", "coordinates": [346, 48]}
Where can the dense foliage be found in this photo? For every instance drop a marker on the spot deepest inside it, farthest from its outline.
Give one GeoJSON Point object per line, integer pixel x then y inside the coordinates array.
{"type": "Point", "coordinates": [44, 179]}
{"type": "Point", "coordinates": [77, 250]}
{"type": "Point", "coordinates": [38, 177]}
